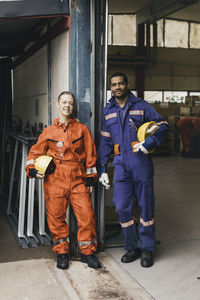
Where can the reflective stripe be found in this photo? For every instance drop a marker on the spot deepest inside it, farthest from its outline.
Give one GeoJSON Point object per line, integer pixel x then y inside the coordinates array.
{"type": "Point", "coordinates": [127, 224]}
{"type": "Point", "coordinates": [30, 162]}
{"type": "Point", "coordinates": [148, 223]}
{"type": "Point", "coordinates": [136, 112]}
{"type": "Point", "coordinates": [152, 129]}
{"type": "Point", "coordinates": [104, 133]}
{"type": "Point", "coordinates": [91, 170]}
{"type": "Point", "coordinates": [113, 115]}
{"type": "Point", "coordinates": [61, 241]}
{"type": "Point", "coordinates": [162, 122]}
{"type": "Point", "coordinates": [85, 243]}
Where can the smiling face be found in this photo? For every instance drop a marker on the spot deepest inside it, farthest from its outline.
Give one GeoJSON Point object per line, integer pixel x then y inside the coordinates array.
{"type": "Point", "coordinates": [65, 105]}
{"type": "Point", "coordinates": [119, 87]}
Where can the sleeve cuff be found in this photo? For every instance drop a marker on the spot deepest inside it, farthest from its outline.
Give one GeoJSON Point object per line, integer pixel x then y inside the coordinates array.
{"type": "Point", "coordinates": [102, 169]}
{"type": "Point", "coordinates": [149, 144]}
{"type": "Point", "coordinates": [32, 173]}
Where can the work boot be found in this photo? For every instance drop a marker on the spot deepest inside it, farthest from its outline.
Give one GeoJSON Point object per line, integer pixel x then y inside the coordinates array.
{"type": "Point", "coordinates": [131, 256]}
{"type": "Point", "coordinates": [63, 261]}
{"type": "Point", "coordinates": [146, 259]}
{"type": "Point", "coordinates": [91, 260]}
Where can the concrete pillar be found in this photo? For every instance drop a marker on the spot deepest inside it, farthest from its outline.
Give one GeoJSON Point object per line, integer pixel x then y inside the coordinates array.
{"type": "Point", "coordinates": [80, 78]}
{"type": "Point", "coordinates": [80, 58]}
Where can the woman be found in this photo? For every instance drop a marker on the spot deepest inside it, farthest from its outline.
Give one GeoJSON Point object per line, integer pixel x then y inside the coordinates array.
{"type": "Point", "coordinates": [71, 145]}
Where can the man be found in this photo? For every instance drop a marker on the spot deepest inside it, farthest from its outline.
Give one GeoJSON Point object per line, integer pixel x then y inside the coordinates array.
{"type": "Point", "coordinates": [72, 148]}
{"type": "Point", "coordinates": [133, 167]}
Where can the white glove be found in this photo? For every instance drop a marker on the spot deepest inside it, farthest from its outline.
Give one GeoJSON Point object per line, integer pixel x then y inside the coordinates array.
{"type": "Point", "coordinates": [139, 147]}
{"type": "Point", "coordinates": [104, 180]}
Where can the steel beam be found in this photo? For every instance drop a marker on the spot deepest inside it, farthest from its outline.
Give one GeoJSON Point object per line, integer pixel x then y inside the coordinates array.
{"type": "Point", "coordinates": [158, 9]}
{"type": "Point", "coordinates": [53, 32]}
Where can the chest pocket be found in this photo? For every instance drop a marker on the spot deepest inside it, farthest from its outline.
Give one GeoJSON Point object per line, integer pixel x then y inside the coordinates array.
{"type": "Point", "coordinates": [52, 144]}
{"type": "Point", "coordinates": [136, 120]}
{"type": "Point", "coordinates": [75, 141]}
{"type": "Point", "coordinates": [78, 143]}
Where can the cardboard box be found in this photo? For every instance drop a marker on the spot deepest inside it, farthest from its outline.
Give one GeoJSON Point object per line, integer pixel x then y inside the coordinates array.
{"type": "Point", "coordinates": [185, 110]}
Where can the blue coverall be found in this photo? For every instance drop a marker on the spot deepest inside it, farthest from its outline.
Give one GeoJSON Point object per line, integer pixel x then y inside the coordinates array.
{"type": "Point", "coordinates": [133, 172]}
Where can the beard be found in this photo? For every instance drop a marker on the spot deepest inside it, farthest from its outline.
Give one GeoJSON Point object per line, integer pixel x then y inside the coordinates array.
{"type": "Point", "coordinates": [122, 95]}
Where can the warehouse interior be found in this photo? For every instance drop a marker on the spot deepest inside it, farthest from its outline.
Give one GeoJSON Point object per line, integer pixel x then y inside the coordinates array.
{"type": "Point", "coordinates": [161, 58]}
{"type": "Point", "coordinates": [158, 46]}
{"type": "Point", "coordinates": [166, 75]}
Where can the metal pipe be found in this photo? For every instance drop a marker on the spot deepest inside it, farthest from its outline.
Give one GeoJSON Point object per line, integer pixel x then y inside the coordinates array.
{"type": "Point", "coordinates": [101, 191]}
{"type": "Point", "coordinates": [30, 207]}
{"type": "Point", "coordinates": [41, 209]}
{"type": "Point", "coordinates": [105, 50]}
{"type": "Point", "coordinates": [22, 200]}
{"type": "Point", "coordinates": [92, 64]}
{"type": "Point", "coordinates": [49, 82]}
{"type": "Point", "coordinates": [9, 207]}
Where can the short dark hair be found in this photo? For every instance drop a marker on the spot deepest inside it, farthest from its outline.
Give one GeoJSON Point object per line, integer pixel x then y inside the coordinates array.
{"type": "Point", "coordinates": [75, 107]}
{"type": "Point", "coordinates": [119, 74]}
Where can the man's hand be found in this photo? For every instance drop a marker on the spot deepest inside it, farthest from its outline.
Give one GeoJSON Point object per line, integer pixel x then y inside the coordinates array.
{"type": "Point", "coordinates": [104, 180]}
{"type": "Point", "coordinates": [139, 147]}
{"type": "Point", "coordinates": [39, 175]}
{"type": "Point", "coordinates": [146, 147]}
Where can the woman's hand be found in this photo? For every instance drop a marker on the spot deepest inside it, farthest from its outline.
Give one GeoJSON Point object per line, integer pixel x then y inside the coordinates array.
{"type": "Point", "coordinates": [39, 175]}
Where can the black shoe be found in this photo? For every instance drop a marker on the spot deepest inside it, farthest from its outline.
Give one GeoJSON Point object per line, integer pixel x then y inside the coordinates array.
{"type": "Point", "coordinates": [91, 260]}
{"type": "Point", "coordinates": [146, 259]}
{"type": "Point", "coordinates": [131, 256]}
{"type": "Point", "coordinates": [63, 261]}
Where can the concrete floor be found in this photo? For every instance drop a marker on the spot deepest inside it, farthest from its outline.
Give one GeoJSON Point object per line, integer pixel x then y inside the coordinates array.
{"type": "Point", "coordinates": [176, 272]}
{"type": "Point", "coordinates": [29, 274]}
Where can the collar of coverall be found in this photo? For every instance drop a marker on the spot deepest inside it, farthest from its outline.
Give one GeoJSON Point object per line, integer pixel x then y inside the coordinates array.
{"type": "Point", "coordinates": [59, 124]}
{"type": "Point", "coordinates": [131, 99]}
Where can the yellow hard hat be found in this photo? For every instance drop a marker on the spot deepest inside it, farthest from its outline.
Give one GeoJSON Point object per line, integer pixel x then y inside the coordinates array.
{"type": "Point", "coordinates": [42, 163]}
{"type": "Point", "coordinates": [146, 130]}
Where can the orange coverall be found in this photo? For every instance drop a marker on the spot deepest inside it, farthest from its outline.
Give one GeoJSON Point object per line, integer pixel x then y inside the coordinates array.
{"type": "Point", "coordinates": [74, 153]}
{"type": "Point", "coordinates": [185, 126]}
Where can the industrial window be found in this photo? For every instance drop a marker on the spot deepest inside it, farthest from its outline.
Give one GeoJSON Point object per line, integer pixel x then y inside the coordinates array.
{"type": "Point", "coordinates": [176, 34]}
{"type": "Point", "coordinates": [175, 96]}
{"type": "Point", "coordinates": [194, 93]}
{"type": "Point", "coordinates": [109, 95]}
{"type": "Point", "coordinates": [153, 96]}
{"type": "Point", "coordinates": [194, 35]}
{"type": "Point", "coordinates": [110, 23]}
{"type": "Point", "coordinates": [122, 30]}
{"type": "Point", "coordinates": [162, 96]}
{"type": "Point", "coordinates": [165, 96]}
{"type": "Point", "coordinates": [171, 33]}
{"type": "Point", "coordinates": [160, 33]}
